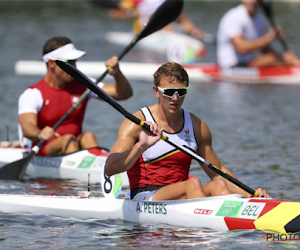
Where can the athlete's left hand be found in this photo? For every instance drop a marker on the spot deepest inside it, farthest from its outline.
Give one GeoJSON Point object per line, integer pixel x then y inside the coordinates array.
{"type": "Point", "coordinates": [112, 65]}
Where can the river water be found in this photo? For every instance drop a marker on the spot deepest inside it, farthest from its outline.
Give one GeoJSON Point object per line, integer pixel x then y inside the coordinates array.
{"type": "Point", "coordinates": [255, 129]}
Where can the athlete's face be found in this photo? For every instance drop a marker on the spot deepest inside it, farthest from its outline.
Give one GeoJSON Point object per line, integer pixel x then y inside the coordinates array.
{"type": "Point", "coordinates": [171, 104]}
{"type": "Point", "coordinates": [61, 75]}
{"type": "Point", "coordinates": [251, 6]}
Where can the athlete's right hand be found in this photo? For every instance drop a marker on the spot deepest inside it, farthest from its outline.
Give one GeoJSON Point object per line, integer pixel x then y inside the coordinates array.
{"type": "Point", "coordinates": [47, 133]}
{"type": "Point", "coordinates": [276, 32]}
{"type": "Point", "coordinates": [148, 139]}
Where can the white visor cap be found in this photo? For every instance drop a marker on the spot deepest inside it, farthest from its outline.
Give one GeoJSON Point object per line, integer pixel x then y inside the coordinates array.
{"type": "Point", "coordinates": [66, 52]}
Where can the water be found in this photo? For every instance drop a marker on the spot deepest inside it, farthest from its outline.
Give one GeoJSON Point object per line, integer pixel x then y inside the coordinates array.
{"type": "Point", "coordinates": [255, 129]}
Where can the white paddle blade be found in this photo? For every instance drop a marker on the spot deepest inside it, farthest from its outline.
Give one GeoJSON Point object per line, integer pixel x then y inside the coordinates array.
{"type": "Point", "coordinates": [111, 185]}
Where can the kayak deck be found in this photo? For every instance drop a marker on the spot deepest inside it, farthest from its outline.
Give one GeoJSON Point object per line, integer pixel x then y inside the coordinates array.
{"type": "Point", "coordinates": [222, 213]}
{"type": "Point", "coordinates": [74, 166]}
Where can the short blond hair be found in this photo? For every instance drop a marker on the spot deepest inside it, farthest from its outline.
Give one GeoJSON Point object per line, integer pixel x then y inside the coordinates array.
{"type": "Point", "coordinates": [171, 69]}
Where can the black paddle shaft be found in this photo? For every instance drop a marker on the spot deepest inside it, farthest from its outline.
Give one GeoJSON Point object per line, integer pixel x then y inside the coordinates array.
{"type": "Point", "coordinates": [267, 7]}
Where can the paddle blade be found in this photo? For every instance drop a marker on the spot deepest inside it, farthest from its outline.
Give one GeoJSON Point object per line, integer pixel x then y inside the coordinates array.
{"type": "Point", "coordinates": [16, 170]}
{"type": "Point", "coordinates": [165, 14]}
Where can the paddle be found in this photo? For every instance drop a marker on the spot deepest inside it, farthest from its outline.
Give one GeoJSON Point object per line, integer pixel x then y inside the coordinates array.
{"type": "Point", "coordinates": [164, 15]}
{"type": "Point", "coordinates": [79, 76]}
{"type": "Point", "coordinates": [266, 6]}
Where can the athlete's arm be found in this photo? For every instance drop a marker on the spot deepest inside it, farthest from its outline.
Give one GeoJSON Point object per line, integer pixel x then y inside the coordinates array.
{"type": "Point", "coordinates": [121, 90]}
{"type": "Point", "coordinates": [205, 150]}
{"type": "Point", "coordinates": [29, 105]}
{"type": "Point", "coordinates": [132, 141]}
{"type": "Point", "coordinates": [244, 46]}
{"type": "Point", "coordinates": [189, 27]}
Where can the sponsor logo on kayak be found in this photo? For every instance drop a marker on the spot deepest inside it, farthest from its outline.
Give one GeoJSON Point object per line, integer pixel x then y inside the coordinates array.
{"type": "Point", "coordinates": [99, 162]}
{"type": "Point", "coordinates": [242, 71]}
{"type": "Point", "coordinates": [230, 209]}
{"type": "Point", "coordinates": [87, 162]}
{"type": "Point", "coordinates": [70, 163]}
{"type": "Point", "coordinates": [155, 208]}
{"type": "Point", "coordinates": [203, 211]}
{"type": "Point", "coordinates": [48, 162]}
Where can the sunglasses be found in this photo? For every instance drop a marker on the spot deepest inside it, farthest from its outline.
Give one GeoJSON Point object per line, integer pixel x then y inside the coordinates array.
{"type": "Point", "coordinates": [170, 92]}
{"type": "Point", "coordinates": [71, 61]}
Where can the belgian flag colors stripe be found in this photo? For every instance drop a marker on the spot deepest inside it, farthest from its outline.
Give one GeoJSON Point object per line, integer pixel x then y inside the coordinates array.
{"type": "Point", "coordinates": [284, 218]}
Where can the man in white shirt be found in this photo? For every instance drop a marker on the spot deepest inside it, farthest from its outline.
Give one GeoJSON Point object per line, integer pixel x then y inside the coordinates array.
{"type": "Point", "coordinates": [242, 34]}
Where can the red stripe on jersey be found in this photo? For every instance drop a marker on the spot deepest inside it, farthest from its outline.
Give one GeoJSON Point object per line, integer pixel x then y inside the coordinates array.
{"type": "Point", "coordinates": [171, 169]}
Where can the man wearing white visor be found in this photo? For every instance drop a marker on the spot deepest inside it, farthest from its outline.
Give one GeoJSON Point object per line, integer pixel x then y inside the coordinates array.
{"type": "Point", "coordinates": [44, 103]}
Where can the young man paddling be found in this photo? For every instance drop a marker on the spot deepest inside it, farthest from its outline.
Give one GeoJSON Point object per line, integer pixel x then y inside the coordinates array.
{"type": "Point", "coordinates": [242, 33]}
{"type": "Point", "coordinates": [156, 170]}
{"type": "Point", "coordinates": [43, 104]}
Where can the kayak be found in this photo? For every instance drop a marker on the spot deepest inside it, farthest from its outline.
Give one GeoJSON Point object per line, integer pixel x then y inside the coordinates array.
{"type": "Point", "coordinates": [76, 166]}
{"type": "Point", "coordinates": [221, 213]}
{"type": "Point", "coordinates": [284, 75]}
{"type": "Point", "coordinates": [198, 73]}
{"type": "Point", "coordinates": [164, 42]}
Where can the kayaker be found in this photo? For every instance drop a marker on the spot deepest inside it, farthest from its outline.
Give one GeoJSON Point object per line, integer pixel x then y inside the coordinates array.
{"type": "Point", "coordinates": [44, 103]}
{"type": "Point", "coordinates": [242, 34]}
{"type": "Point", "coordinates": [141, 10]}
{"type": "Point", "coordinates": [157, 170]}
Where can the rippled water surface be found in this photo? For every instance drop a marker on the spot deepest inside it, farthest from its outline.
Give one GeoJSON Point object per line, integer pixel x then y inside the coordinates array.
{"type": "Point", "coordinates": [255, 128]}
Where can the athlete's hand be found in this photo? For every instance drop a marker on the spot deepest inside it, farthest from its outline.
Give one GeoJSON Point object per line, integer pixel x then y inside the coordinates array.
{"type": "Point", "coordinates": [112, 65]}
{"type": "Point", "coordinates": [275, 32]}
{"type": "Point", "coordinates": [47, 133]}
{"type": "Point", "coordinates": [148, 139]}
{"type": "Point", "coordinates": [263, 193]}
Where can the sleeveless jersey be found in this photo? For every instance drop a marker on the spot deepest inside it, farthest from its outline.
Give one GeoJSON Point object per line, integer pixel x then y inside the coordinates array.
{"type": "Point", "coordinates": [163, 164]}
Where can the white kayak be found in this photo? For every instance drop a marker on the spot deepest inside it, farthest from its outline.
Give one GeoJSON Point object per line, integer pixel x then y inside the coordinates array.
{"type": "Point", "coordinates": [198, 73]}
{"type": "Point", "coordinates": [222, 213]}
{"type": "Point", "coordinates": [177, 46]}
{"type": "Point", "coordinates": [76, 166]}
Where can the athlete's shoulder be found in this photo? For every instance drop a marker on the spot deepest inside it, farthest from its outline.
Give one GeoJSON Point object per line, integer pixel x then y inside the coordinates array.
{"type": "Point", "coordinates": [199, 124]}
{"type": "Point", "coordinates": [194, 118]}
{"type": "Point", "coordinates": [38, 85]}
{"type": "Point", "coordinates": [233, 13]}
